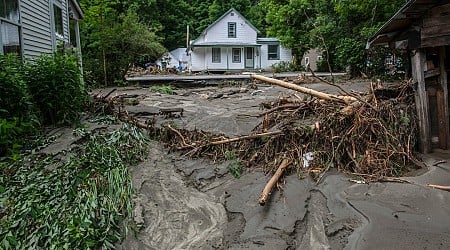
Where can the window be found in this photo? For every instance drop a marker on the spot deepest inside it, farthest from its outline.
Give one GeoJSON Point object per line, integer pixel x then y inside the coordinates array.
{"type": "Point", "coordinates": [236, 55]}
{"type": "Point", "coordinates": [10, 10]}
{"type": "Point", "coordinates": [216, 55]}
{"type": "Point", "coordinates": [10, 34]}
{"type": "Point", "coordinates": [232, 30]}
{"type": "Point", "coordinates": [58, 21]}
{"type": "Point", "coordinates": [274, 52]}
{"type": "Point", "coordinates": [10, 40]}
{"type": "Point", "coordinates": [389, 60]}
{"type": "Point", "coordinates": [306, 61]}
{"type": "Point", "coordinates": [319, 58]}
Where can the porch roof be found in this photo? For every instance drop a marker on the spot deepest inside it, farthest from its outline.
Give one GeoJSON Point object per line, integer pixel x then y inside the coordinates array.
{"type": "Point", "coordinates": [212, 44]}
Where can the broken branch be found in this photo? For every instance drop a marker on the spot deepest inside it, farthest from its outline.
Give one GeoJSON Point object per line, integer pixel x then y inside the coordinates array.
{"type": "Point", "coordinates": [245, 137]}
{"type": "Point", "coordinates": [269, 186]}
{"type": "Point", "coordinates": [312, 92]}
{"type": "Point", "coordinates": [446, 188]}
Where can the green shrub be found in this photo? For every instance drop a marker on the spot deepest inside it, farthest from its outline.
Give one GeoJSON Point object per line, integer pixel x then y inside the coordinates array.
{"type": "Point", "coordinates": [81, 202]}
{"type": "Point", "coordinates": [14, 96]}
{"type": "Point", "coordinates": [286, 67]}
{"type": "Point", "coordinates": [163, 89]}
{"type": "Point", "coordinates": [16, 111]}
{"type": "Point", "coordinates": [56, 87]}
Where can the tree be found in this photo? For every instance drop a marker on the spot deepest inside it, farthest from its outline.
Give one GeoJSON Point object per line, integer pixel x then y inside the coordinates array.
{"type": "Point", "coordinates": [114, 40]}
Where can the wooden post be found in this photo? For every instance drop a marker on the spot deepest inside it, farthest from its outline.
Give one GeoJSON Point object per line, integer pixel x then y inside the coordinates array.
{"type": "Point", "coordinates": [421, 97]}
{"type": "Point", "coordinates": [442, 102]}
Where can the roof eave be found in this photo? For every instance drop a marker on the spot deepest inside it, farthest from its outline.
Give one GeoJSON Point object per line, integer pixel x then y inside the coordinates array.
{"type": "Point", "coordinates": [78, 8]}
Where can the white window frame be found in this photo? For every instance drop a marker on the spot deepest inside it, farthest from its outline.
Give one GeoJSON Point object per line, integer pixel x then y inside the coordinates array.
{"type": "Point", "coordinates": [307, 61]}
{"type": "Point", "coordinates": [56, 5]}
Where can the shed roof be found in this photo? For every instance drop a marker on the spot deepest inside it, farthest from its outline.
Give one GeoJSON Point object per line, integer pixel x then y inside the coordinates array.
{"type": "Point", "coordinates": [404, 18]}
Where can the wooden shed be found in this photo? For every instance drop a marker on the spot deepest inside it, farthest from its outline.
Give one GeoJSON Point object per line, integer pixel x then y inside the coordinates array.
{"type": "Point", "coordinates": [422, 28]}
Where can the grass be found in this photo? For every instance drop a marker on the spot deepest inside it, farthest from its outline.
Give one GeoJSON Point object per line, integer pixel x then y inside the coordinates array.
{"type": "Point", "coordinates": [235, 167]}
{"type": "Point", "coordinates": [80, 202]}
{"type": "Point", "coordinates": [163, 89]}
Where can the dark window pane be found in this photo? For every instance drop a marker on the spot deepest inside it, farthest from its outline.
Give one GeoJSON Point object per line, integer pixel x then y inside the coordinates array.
{"type": "Point", "coordinates": [232, 30]}
{"type": "Point", "coordinates": [2, 9]}
{"type": "Point", "coordinates": [10, 35]}
{"type": "Point", "coordinates": [73, 37]}
{"type": "Point", "coordinates": [273, 52]}
{"type": "Point", "coordinates": [236, 55]}
{"type": "Point", "coordinates": [9, 9]}
{"type": "Point", "coordinates": [216, 55]}
{"type": "Point", "coordinates": [58, 19]}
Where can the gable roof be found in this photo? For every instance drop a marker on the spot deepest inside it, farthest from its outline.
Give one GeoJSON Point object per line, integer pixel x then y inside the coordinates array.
{"type": "Point", "coordinates": [224, 15]}
{"type": "Point", "coordinates": [404, 18]}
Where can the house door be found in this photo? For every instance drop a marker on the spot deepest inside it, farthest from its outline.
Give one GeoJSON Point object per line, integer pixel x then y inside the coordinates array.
{"type": "Point", "coordinates": [249, 58]}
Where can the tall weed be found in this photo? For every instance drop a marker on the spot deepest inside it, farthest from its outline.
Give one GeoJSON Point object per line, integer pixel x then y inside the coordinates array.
{"type": "Point", "coordinates": [56, 87]}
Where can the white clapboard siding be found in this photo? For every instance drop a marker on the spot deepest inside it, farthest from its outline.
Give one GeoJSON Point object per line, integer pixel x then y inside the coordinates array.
{"type": "Point", "coordinates": [219, 32]}
{"type": "Point", "coordinates": [37, 26]}
{"type": "Point", "coordinates": [285, 55]}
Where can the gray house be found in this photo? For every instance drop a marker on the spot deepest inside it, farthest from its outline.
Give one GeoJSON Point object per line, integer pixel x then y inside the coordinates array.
{"type": "Point", "coordinates": [34, 27]}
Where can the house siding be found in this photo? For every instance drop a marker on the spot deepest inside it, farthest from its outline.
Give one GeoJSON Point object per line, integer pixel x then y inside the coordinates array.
{"type": "Point", "coordinates": [37, 26]}
{"type": "Point", "coordinates": [198, 59]}
{"type": "Point", "coordinates": [219, 32]}
{"type": "Point", "coordinates": [36, 29]}
{"type": "Point", "coordinates": [285, 55]}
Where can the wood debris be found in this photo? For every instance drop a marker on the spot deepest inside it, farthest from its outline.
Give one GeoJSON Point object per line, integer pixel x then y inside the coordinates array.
{"type": "Point", "coordinates": [372, 134]}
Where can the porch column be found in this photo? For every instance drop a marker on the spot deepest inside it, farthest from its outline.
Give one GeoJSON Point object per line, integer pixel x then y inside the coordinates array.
{"type": "Point", "coordinates": [228, 63]}
{"type": "Point", "coordinates": [421, 97]}
{"type": "Point", "coordinates": [442, 102]}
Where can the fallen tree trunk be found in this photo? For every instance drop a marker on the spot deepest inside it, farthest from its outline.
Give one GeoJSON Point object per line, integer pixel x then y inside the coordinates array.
{"type": "Point", "coordinates": [312, 92]}
{"type": "Point", "coordinates": [269, 186]}
{"type": "Point", "coordinates": [446, 188]}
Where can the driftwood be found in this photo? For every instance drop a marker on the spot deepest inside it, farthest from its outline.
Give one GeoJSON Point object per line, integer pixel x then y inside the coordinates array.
{"type": "Point", "coordinates": [312, 92]}
{"type": "Point", "coordinates": [246, 137]}
{"type": "Point", "coordinates": [269, 186]}
{"type": "Point", "coordinates": [446, 188]}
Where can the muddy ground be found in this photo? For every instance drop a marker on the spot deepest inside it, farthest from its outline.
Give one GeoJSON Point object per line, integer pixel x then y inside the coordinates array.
{"type": "Point", "coordinates": [185, 203]}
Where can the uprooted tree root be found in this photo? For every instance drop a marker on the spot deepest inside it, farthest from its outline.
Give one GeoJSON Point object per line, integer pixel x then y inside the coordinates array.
{"type": "Point", "coordinates": [314, 135]}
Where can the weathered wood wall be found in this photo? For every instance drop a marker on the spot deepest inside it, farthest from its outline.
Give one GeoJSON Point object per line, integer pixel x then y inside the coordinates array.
{"type": "Point", "coordinates": [436, 27]}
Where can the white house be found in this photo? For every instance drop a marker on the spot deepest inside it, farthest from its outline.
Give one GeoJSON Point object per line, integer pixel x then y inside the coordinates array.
{"type": "Point", "coordinates": [34, 27]}
{"type": "Point", "coordinates": [174, 58]}
{"type": "Point", "coordinates": [232, 43]}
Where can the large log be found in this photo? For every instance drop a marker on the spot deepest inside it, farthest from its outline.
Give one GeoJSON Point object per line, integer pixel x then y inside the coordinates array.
{"type": "Point", "coordinates": [312, 92]}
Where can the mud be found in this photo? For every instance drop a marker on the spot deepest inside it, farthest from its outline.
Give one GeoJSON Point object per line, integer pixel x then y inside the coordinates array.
{"type": "Point", "coordinates": [196, 204]}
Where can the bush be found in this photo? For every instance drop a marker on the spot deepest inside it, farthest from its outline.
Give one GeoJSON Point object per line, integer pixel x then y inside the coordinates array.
{"type": "Point", "coordinates": [16, 113]}
{"type": "Point", "coordinates": [14, 95]}
{"type": "Point", "coordinates": [56, 87]}
{"type": "Point", "coordinates": [286, 67]}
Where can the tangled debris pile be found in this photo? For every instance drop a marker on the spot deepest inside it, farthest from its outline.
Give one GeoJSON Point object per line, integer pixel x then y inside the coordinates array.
{"type": "Point", "coordinates": [370, 134]}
